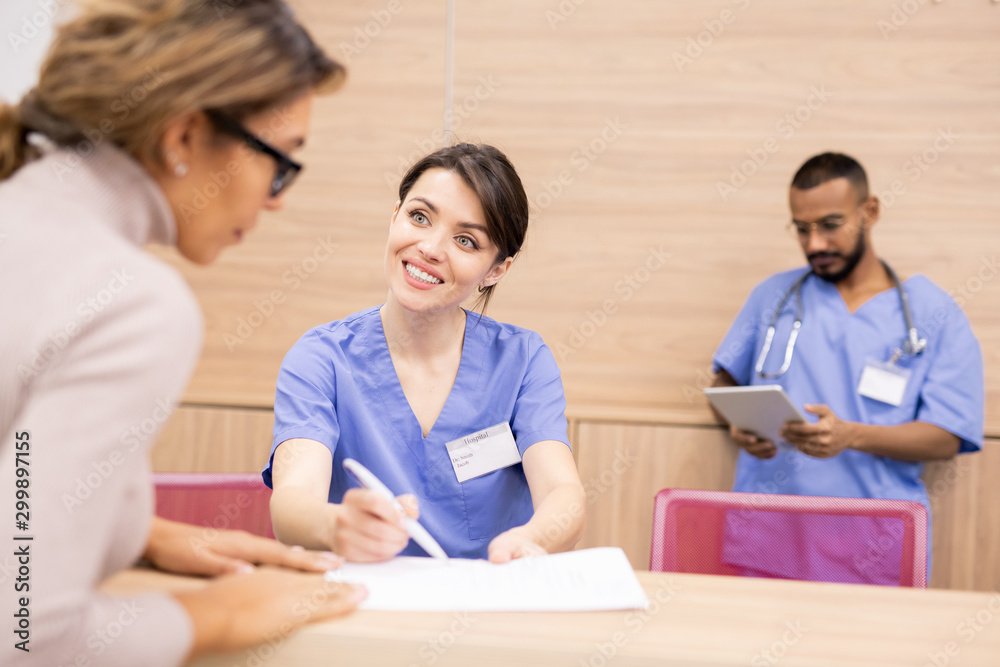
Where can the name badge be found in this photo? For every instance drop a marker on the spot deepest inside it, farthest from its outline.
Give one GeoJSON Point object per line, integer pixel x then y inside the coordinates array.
{"type": "Point", "coordinates": [483, 452]}
{"type": "Point", "coordinates": [884, 382]}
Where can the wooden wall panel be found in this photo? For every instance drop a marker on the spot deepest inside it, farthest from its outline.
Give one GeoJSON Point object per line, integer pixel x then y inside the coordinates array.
{"type": "Point", "coordinates": [623, 466]}
{"type": "Point", "coordinates": [673, 133]}
{"type": "Point", "coordinates": [212, 439]}
{"type": "Point", "coordinates": [965, 503]}
{"type": "Point", "coordinates": [622, 145]}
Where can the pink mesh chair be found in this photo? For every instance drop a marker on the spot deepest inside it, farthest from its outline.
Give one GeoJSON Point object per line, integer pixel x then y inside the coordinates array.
{"type": "Point", "coordinates": [842, 540]}
{"type": "Point", "coordinates": [236, 501]}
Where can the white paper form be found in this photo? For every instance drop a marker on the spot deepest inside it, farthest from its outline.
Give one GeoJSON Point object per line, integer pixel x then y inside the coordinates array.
{"type": "Point", "coordinates": [598, 579]}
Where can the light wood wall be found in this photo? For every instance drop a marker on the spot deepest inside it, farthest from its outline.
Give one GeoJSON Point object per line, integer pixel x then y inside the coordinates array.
{"type": "Point", "coordinates": [635, 263]}
{"type": "Point", "coordinates": [545, 89]}
{"type": "Point", "coordinates": [656, 184]}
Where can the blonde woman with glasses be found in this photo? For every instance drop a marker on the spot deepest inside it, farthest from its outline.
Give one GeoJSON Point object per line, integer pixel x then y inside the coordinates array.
{"type": "Point", "coordinates": [153, 121]}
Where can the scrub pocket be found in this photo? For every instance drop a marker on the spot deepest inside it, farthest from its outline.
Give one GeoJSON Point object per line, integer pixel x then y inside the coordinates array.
{"type": "Point", "coordinates": [496, 502]}
{"type": "Point", "coordinates": [884, 414]}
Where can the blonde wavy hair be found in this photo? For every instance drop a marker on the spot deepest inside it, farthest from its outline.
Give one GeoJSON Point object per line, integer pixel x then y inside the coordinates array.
{"type": "Point", "coordinates": [119, 70]}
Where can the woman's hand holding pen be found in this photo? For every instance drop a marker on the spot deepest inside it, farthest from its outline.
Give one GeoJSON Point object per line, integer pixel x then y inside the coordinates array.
{"type": "Point", "coordinates": [367, 528]}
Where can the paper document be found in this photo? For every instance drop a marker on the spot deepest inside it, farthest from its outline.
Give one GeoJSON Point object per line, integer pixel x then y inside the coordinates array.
{"type": "Point", "coordinates": [585, 580]}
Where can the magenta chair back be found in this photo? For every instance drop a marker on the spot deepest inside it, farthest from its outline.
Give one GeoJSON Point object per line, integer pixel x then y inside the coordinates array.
{"type": "Point", "coordinates": [235, 501]}
{"type": "Point", "coordinates": [809, 538]}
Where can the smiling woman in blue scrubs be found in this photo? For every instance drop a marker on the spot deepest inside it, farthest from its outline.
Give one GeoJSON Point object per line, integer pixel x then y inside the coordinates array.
{"type": "Point", "coordinates": [395, 387]}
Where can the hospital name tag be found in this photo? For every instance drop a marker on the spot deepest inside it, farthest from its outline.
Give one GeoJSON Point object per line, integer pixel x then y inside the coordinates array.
{"type": "Point", "coordinates": [483, 451]}
{"type": "Point", "coordinates": [883, 382]}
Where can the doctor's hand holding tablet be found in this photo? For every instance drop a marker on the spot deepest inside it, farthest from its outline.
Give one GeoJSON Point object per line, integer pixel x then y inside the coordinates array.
{"type": "Point", "coordinates": [762, 417]}
{"type": "Point", "coordinates": [430, 400]}
{"type": "Point", "coordinates": [757, 415]}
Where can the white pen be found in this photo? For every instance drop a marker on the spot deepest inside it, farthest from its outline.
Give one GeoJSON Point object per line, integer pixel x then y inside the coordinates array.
{"type": "Point", "coordinates": [415, 530]}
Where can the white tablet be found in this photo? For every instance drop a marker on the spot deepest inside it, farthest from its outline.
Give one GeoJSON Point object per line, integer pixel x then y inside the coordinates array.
{"type": "Point", "coordinates": [760, 409]}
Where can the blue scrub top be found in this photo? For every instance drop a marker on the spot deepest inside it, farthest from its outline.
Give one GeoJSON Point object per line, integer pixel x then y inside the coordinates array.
{"type": "Point", "coordinates": [946, 386]}
{"type": "Point", "coordinates": [338, 386]}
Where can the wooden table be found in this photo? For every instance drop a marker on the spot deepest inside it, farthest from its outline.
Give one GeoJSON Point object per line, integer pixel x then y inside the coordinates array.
{"type": "Point", "coordinates": [693, 620]}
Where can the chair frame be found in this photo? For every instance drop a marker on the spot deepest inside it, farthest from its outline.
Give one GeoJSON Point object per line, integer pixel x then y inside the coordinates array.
{"type": "Point", "coordinates": [913, 560]}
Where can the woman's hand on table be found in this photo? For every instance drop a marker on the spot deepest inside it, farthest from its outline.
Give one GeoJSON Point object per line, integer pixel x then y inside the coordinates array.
{"type": "Point", "coordinates": [513, 544]}
{"type": "Point", "coordinates": [198, 550]}
{"type": "Point", "coordinates": [241, 610]}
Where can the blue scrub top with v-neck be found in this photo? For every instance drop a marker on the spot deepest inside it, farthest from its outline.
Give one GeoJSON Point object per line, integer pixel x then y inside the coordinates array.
{"type": "Point", "coordinates": [338, 386]}
{"type": "Point", "coordinates": [945, 388]}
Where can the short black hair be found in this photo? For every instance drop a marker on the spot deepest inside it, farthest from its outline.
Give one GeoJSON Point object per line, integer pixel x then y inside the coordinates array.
{"type": "Point", "coordinates": [827, 166]}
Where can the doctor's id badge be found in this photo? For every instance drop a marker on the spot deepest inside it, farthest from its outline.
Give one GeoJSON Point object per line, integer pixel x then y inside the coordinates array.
{"type": "Point", "coordinates": [483, 452]}
{"type": "Point", "coordinates": [884, 382]}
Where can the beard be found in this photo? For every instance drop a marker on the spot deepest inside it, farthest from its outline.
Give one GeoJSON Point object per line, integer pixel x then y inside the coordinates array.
{"type": "Point", "coordinates": [850, 261]}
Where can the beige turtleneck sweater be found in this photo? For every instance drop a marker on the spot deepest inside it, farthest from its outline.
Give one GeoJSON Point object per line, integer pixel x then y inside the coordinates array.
{"type": "Point", "coordinates": [97, 342]}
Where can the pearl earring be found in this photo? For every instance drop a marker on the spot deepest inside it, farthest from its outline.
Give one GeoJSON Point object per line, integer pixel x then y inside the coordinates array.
{"type": "Point", "coordinates": [180, 169]}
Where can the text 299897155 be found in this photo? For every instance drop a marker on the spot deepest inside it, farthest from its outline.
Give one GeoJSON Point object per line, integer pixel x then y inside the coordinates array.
{"type": "Point", "coordinates": [22, 539]}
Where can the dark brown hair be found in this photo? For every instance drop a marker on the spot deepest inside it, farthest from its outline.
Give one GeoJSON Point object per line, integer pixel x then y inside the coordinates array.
{"type": "Point", "coordinates": [489, 174]}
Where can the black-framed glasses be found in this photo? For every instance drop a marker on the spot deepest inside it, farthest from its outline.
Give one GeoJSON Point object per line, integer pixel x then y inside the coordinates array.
{"type": "Point", "coordinates": [287, 168]}
{"type": "Point", "coordinates": [826, 227]}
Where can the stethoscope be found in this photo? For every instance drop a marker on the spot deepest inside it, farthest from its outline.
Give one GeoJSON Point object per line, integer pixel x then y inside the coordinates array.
{"type": "Point", "coordinates": [912, 343]}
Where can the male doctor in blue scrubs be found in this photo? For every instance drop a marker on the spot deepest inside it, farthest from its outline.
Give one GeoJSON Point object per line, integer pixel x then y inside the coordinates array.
{"type": "Point", "coordinates": [886, 398]}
